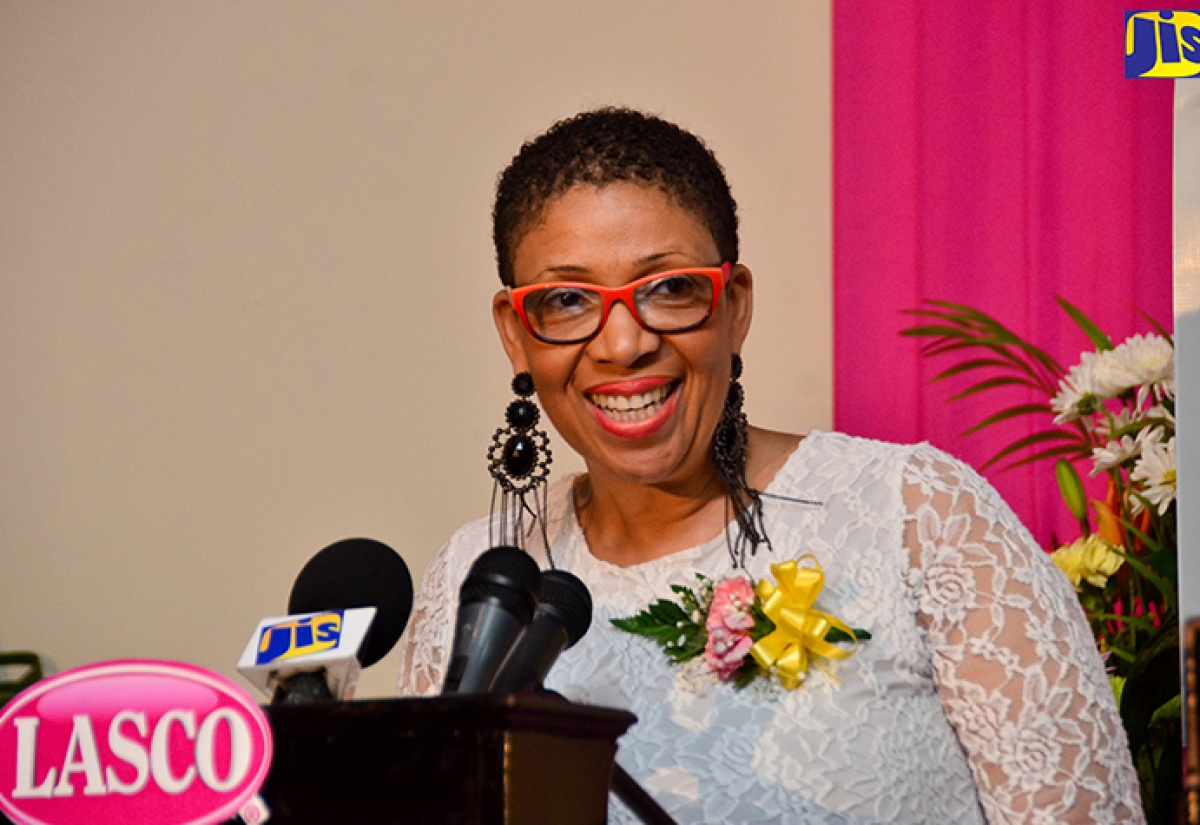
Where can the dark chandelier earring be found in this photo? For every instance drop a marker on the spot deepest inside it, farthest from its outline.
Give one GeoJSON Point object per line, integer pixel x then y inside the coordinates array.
{"type": "Point", "coordinates": [519, 461]}
{"type": "Point", "coordinates": [729, 456]}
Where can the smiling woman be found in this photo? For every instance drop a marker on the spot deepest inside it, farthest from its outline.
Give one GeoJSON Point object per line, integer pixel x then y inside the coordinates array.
{"type": "Point", "coordinates": [977, 696]}
{"type": "Point", "coordinates": [640, 406]}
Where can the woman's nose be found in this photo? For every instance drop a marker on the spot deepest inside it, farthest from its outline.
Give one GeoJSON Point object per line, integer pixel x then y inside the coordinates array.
{"type": "Point", "coordinates": [622, 340]}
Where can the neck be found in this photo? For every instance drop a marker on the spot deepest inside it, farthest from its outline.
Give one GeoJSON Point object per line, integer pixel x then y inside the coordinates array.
{"type": "Point", "coordinates": [627, 523]}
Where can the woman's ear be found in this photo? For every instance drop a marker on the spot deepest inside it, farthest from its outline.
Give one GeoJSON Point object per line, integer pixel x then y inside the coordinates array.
{"type": "Point", "coordinates": [739, 293]}
{"type": "Point", "coordinates": [510, 329]}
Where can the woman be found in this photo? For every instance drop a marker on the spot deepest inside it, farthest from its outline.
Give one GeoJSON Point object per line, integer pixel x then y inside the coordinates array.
{"type": "Point", "coordinates": [979, 695]}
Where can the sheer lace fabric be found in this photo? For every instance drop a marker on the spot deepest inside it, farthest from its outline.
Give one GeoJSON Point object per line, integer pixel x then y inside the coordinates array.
{"type": "Point", "coordinates": [979, 698]}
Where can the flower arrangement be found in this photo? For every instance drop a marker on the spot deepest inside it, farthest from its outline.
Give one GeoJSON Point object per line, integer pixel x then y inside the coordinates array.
{"type": "Point", "coordinates": [1113, 412]}
{"type": "Point", "coordinates": [746, 631]}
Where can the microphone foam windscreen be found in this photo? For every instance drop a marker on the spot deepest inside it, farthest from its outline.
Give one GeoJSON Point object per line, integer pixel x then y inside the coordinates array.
{"type": "Point", "coordinates": [566, 594]}
{"type": "Point", "coordinates": [358, 573]}
{"type": "Point", "coordinates": [506, 575]}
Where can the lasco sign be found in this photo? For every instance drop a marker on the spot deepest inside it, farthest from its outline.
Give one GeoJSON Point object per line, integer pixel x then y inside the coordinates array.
{"type": "Point", "coordinates": [131, 741]}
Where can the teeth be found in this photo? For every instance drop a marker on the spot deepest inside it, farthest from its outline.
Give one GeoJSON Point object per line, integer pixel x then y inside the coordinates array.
{"type": "Point", "coordinates": [632, 407]}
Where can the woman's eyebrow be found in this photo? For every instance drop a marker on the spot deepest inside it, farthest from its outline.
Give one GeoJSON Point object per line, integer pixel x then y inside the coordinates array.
{"type": "Point", "coordinates": [564, 271]}
{"type": "Point", "coordinates": [658, 256]}
{"type": "Point", "coordinates": [559, 273]}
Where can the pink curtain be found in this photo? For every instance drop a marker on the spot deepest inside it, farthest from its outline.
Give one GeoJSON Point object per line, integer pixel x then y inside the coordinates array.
{"type": "Point", "coordinates": [993, 154]}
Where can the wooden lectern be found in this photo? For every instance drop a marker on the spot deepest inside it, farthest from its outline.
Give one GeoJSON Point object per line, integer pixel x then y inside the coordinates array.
{"type": "Point", "coordinates": [523, 759]}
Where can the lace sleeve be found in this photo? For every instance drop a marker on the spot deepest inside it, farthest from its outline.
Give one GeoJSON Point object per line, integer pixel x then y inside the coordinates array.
{"type": "Point", "coordinates": [1015, 663]}
{"type": "Point", "coordinates": [427, 642]}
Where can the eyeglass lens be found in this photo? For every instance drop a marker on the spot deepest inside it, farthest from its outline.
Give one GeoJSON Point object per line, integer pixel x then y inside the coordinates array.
{"type": "Point", "coordinates": [672, 303]}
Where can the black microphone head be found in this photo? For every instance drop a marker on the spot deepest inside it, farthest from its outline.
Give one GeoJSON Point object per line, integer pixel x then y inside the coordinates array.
{"type": "Point", "coordinates": [505, 574]}
{"type": "Point", "coordinates": [564, 593]}
{"type": "Point", "coordinates": [358, 573]}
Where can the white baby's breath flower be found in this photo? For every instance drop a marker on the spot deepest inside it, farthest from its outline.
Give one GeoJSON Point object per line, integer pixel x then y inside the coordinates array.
{"type": "Point", "coordinates": [1155, 471]}
{"type": "Point", "coordinates": [696, 677]}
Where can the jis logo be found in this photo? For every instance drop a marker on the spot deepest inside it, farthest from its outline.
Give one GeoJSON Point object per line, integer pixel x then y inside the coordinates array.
{"type": "Point", "coordinates": [1162, 44]}
{"type": "Point", "coordinates": [299, 636]}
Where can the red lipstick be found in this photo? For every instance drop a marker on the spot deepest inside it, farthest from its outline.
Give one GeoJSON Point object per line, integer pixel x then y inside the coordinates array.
{"type": "Point", "coordinates": [635, 408]}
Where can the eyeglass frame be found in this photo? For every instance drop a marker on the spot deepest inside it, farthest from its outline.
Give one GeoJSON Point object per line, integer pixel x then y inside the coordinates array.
{"type": "Point", "coordinates": [718, 275]}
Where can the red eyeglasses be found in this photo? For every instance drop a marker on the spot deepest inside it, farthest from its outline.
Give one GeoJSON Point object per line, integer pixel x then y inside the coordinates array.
{"type": "Point", "coordinates": [664, 302]}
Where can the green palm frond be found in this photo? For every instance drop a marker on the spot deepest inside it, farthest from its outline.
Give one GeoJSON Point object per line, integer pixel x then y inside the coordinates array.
{"type": "Point", "coordinates": [996, 357]}
{"type": "Point", "coordinates": [1099, 340]}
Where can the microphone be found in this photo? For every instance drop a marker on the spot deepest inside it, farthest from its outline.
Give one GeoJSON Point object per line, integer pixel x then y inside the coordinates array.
{"type": "Point", "coordinates": [496, 601]}
{"type": "Point", "coordinates": [563, 615]}
{"type": "Point", "coordinates": [347, 609]}
{"type": "Point", "coordinates": [494, 608]}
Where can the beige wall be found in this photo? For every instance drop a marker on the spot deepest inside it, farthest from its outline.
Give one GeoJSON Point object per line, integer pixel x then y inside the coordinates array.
{"type": "Point", "coordinates": [245, 276]}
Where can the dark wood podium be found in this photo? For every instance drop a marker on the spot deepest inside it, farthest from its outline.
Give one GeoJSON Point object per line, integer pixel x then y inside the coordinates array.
{"type": "Point", "coordinates": [524, 759]}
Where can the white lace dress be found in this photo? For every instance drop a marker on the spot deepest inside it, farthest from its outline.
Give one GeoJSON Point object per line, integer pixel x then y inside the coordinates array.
{"type": "Point", "coordinates": [979, 698]}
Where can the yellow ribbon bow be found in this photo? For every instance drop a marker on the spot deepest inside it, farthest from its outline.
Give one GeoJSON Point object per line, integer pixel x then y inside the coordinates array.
{"type": "Point", "coordinates": [799, 629]}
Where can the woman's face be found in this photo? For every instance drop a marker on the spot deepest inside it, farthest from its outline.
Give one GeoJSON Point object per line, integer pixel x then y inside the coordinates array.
{"type": "Point", "coordinates": [638, 406]}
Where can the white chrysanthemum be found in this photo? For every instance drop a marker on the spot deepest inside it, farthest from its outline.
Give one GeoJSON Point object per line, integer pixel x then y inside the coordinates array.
{"type": "Point", "coordinates": [1077, 394]}
{"type": "Point", "coordinates": [1155, 471]}
{"type": "Point", "coordinates": [1111, 373]}
{"type": "Point", "coordinates": [1115, 453]}
{"type": "Point", "coordinates": [1115, 423]}
{"type": "Point", "coordinates": [1144, 362]}
{"type": "Point", "coordinates": [1159, 411]}
{"type": "Point", "coordinates": [1158, 392]}
{"type": "Point", "coordinates": [1150, 359]}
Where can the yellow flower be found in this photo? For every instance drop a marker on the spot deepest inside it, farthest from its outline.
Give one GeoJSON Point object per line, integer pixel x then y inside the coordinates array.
{"type": "Point", "coordinates": [1092, 559]}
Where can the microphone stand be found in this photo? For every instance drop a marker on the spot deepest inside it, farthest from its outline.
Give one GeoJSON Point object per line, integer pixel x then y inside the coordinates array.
{"type": "Point", "coordinates": [637, 799]}
{"type": "Point", "coordinates": [627, 789]}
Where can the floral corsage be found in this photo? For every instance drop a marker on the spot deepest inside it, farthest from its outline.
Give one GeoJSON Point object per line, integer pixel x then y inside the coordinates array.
{"type": "Point", "coordinates": [746, 631]}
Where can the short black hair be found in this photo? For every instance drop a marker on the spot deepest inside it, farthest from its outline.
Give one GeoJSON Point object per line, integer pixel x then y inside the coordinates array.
{"type": "Point", "coordinates": [605, 146]}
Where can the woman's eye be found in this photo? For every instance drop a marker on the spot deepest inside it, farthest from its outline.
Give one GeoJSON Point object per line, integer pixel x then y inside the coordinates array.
{"type": "Point", "coordinates": [673, 288]}
{"type": "Point", "coordinates": [564, 300]}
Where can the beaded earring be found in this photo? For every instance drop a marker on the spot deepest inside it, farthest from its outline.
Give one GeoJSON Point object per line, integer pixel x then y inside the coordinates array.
{"type": "Point", "coordinates": [519, 461]}
{"type": "Point", "coordinates": [729, 456]}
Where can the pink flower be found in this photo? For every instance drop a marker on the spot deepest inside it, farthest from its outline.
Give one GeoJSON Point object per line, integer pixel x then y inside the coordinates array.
{"type": "Point", "coordinates": [725, 651]}
{"type": "Point", "coordinates": [728, 620]}
{"type": "Point", "coordinates": [731, 603]}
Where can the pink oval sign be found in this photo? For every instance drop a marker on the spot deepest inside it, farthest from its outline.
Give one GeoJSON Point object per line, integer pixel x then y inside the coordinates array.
{"type": "Point", "coordinates": [131, 741]}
